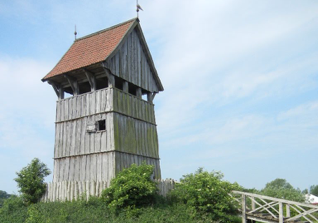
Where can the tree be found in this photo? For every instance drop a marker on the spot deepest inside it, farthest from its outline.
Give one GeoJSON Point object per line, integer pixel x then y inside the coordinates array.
{"type": "Point", "coordinates": [280, 188]}
{"type": "Point", "coordinates": [314, 190]}
{"type": "Point", "coordinates": [205, 194]}
{"type": "Point", "coordinates": [3, 196]}
{"type": "Point", "coordinates": [31, 181]}
{"type": "Point", "coordinates": [131, 188]}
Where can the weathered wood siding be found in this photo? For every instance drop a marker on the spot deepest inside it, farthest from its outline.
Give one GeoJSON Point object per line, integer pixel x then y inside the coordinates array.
{"type": "Point", "coordinates": [80, 155]}
{"type": "Point", "coordinates": [73, 190]}
{"type": "Point", "coordinates": [124, 160]}
{"type": "Point", "coordinates": [134, 136]}
{"type": "Point", "coordinates": [134, 107]}
{"type": "Point", "coordinates": [130, 63]}
{"type": "Point", "coordinates": [91, 167]}
{"type": "Point", "coordinates": [83, 105]}
{"type": "Point", "coordinates": [102, 101]}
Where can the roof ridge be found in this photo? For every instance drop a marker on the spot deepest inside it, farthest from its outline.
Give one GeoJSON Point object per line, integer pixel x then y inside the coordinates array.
{"type": "Point", "coordinates": [107, 29]}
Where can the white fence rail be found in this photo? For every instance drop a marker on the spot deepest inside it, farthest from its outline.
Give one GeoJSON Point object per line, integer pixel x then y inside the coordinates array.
{"type": "Point", "coordinates": [268, 209]}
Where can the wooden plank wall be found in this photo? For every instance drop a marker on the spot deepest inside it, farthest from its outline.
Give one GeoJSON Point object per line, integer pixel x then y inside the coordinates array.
{"type": "Point", "coordinates": [74, 190]}
{"type": "Point", "coordinates": [130, 127]}
{"type": "Point", "coordinates": [83, 105]}
{"type": "Point", "coordinates": [124, 160]}
{"type": "Point", "coordinates": [101, 101]}
{"type": "Point", "coordinates": [92, 167]}
{"type": "Point", "coordinates": [130, 63]}
{"type": "Point", "coordinates": [134, 107]}
{"type": "Point", "coordinates": [134, 136]}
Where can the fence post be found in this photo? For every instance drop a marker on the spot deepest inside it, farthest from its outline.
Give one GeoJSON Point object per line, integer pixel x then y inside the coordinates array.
{"type": "Point", "coordinates": [287, 211]}
{"type": "Point", "coordinates": [243, 208]}
{"type": "Point", "coordinates": [281, 213]}
{"type": "Point", "coordinates": [253, 203]}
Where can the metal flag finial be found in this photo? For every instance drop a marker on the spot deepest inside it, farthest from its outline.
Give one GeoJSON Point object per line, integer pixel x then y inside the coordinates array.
{"type": "Point", "coordinates": [75, 33]}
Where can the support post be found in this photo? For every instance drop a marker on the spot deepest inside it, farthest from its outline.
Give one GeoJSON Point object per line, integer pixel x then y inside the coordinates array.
{"type": "Point", "coordinates": [139, 93]}
{"type": "Point", "coordinates": [110, 77]}
{"type": "Point", "coordinates": [125, 86]}
{"type": "Point", "coordinates": [253, 204]}
{"type": "Point", "coordinates": [74, 85]}
{"type": "Point", "coordinates": [91, 79]}
{"type": "Point", "coordinates": [287, 211]}
{"type": "Point", "coordinates": [59, 91]}
{"type": "Point", "coordinates": [151, 96]}
{"type": "Point", "coordinates": [281, 213]}
{"type": "Point", "coordinates": [243, 208]}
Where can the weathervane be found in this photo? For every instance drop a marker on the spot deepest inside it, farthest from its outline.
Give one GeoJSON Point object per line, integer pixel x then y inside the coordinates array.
{"type": "Point", "coordinates": [138, 8]}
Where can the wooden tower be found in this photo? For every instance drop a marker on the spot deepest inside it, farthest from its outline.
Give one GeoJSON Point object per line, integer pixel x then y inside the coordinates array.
{"type": "Point", "coordinates": [105, 125]}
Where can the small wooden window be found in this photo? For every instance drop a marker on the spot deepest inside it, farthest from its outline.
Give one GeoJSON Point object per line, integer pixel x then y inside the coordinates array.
{"type": "Point", "coordinates": [101, 124]}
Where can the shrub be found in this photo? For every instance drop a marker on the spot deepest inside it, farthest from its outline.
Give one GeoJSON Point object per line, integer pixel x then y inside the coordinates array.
{"type": "Point", "coordinates": [205, 195]}
{"type": "Point", "coordinates": [3, 196]}
{"type": "Point", "coordinates": [13, 210]}
{"type": "Point", "coordinates": [131, 188]}
{"type": "Point", "coordinates": [31, 181]}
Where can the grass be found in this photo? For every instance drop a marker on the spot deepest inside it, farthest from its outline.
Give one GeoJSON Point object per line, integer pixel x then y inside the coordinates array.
{"type": "Point", "coordinates": [95, 211]}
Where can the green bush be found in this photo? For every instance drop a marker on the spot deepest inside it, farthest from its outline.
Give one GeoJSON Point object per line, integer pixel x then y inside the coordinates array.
{"type": "Point", "coordinates": [206, 195]}
{"type": "Point", "coordinates": [13, 210]}
{"type": "Point", "coordinates": [130, 189]}
{"type": "Point", "coordinates": [3, 196]}
{"type": "Point", "coordinates": [31, 181]}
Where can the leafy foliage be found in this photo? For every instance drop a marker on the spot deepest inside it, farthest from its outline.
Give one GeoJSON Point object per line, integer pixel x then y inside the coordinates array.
{"type": "Point", "coordinates": [205, 194]}
{"type": "Point", "coordinates": [31, 181]}
{"type": "Point", "coordinates": [13, 210]}
{"type": "Point", "coordinates": [3, 196]}
{"type": "Point", "coordinates": [280, 188]}
{"type": "Point", "coordinates": [95, 210]}
{"type": "Point", "coordinates": [314, 190]}
{"type": "Point", "coordinates": [131, 188]}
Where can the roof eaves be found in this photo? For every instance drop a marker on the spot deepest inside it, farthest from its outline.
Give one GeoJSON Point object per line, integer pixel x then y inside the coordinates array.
{"type": "Point", "coordinates": [45, 78]}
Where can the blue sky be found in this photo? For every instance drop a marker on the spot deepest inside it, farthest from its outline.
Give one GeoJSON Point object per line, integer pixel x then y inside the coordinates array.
{"type": "Point", "coordinates": [240, 78]}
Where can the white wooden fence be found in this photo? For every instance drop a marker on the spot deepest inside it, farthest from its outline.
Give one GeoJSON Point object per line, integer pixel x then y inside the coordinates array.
{"type": "Point", "coordinates": [268, 209]}
{"type": "Point", "coordinates": [73, 190]}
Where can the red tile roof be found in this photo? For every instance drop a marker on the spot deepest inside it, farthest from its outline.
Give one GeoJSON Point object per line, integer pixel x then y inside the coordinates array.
{"type": "Point", "coordinates": [91, 49]}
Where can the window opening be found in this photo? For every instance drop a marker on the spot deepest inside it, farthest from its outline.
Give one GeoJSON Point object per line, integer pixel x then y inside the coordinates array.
{"type": "Point", "coordinates": [84, 87]}
{"type": "Point", "coordinates": [119, 83]}
{"type": "Point", "coordinates": [132, 89]}
{"type": "Point", "coordinates": [101, 124]}
{"type": "Point", "coordinates": [101, 83]}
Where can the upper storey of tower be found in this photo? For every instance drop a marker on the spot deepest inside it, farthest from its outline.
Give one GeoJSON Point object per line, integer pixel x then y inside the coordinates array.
{"type": "Point", "coordinates": [117, 56]}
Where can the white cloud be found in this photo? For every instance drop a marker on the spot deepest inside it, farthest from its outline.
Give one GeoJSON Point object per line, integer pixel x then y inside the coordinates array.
{"type": "Point", "coordinates": [239, 76]}
{"type": "Point", "coordinates": [26, 116]}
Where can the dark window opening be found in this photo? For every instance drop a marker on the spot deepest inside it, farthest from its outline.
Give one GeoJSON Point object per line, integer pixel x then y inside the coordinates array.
{"type": "Point", "coordinates": [84, 87]}
{"type": "Point", "coordinates": [101, 83]}
{"type": "Point", "coordinates": [119, 83]}
{"type": "Point", "coordinates": [132, 89]}
{"type": "Point", "coordinates": [101, 125]}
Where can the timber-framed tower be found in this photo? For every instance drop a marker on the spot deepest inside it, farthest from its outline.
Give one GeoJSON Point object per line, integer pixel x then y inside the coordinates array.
{"type": "Point", "coordinates": [108, 123]}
